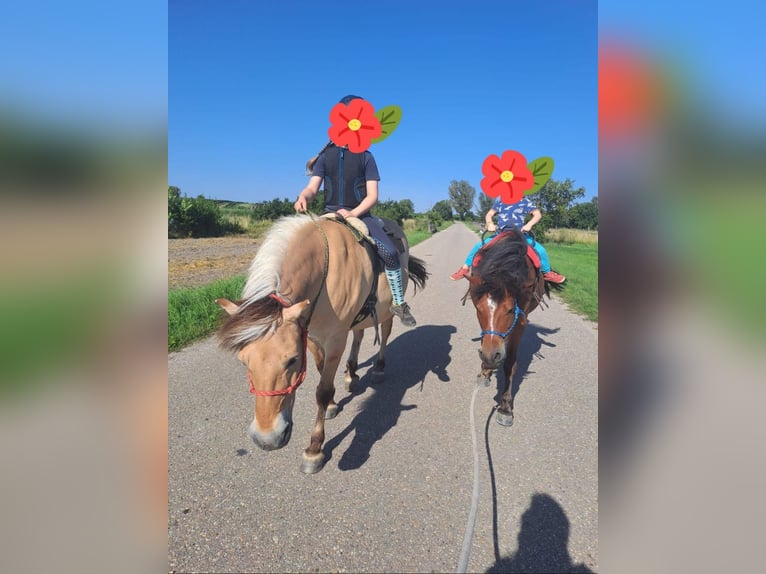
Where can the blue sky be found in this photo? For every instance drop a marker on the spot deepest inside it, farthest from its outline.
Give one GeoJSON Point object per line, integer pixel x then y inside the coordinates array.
{"type": "Point", "coordinates": [251, 85]}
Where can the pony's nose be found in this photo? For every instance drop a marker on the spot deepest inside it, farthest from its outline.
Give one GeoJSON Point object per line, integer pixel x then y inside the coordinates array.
{"type": "Point", "coordinates": [272, 440]}
{"type": "Point", "coordinates": [491, 359]}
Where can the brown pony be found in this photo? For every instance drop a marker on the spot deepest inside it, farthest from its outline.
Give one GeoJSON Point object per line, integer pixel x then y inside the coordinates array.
{"type": "Point", "coordinates": [505, 288]}
{"type": "Point", "coordinates": [306, 286]}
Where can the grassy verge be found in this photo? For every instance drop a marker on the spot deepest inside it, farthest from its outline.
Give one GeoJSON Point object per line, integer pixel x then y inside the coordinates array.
{"type": "Point", "coordinates": [579, 262]}
{"type": "Point", "coordinates": [193, 313]}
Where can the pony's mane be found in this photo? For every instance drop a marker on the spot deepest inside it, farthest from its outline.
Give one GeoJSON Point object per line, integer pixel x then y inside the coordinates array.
{"type": "Point", "coordinates": [258, 313]}
{"type": "Point", "coordinates": [263, 277]}
{"type": "Point", "coordinates": [502, 268]}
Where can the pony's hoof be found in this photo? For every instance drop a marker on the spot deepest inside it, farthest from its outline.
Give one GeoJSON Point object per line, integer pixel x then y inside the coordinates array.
{"type": "Point", "coordinates": [331, 412]}
{"type": "Point", "coordinates": [504, 419]}
{"type": "Point", "coordinates": [377, 377]}
{"type": "Point", "coordinates": [312, 464]}
{"type": "Point", "coordinates": [351, 383]}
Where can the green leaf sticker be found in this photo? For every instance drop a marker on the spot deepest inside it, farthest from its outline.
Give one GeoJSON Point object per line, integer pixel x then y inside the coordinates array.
{"type": "Point", "coordinates": [389, 117]}
{"type": "Point", "coordinates": [542, 169]}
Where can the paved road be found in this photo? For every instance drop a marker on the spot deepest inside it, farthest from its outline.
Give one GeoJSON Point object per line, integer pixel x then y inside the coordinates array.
{"type": "Point", "coordinates": [396, 492]}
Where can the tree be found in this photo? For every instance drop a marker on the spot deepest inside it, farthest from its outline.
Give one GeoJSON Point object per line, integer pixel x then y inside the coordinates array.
{"type": "Point", "coordinates": [443, 209]}
{"type": "Point", "coordinates": [396, 210]}
{"type": "Point", "coordinates": [485, 204]}
{"type": "Point", "coordinates": [175, 212]}
{"type": "Point", "coordinates": [273, 209]}
{"type": "Point", "coordinates": [461, 195]}
{"type": "Point", "coordinates": [408, 208]}
{"type": "Point", "coordinates": [554, 200]}
{"type": "Point", "coordinates": [584, 215]}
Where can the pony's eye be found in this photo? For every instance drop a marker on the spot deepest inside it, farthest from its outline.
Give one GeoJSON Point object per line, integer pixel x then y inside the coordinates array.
{"type": "Point", "coordinates": [291, 362]}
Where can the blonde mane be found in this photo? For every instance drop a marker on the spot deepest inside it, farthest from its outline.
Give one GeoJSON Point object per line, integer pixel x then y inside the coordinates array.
{"type": "Point", "coordinates": [263, 277]}
{"type": "Point", "coordinates": [258, 314]}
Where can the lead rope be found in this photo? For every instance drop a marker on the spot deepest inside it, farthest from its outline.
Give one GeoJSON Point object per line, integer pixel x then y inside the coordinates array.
{"type": "Point", "coordinates": [465, 553]}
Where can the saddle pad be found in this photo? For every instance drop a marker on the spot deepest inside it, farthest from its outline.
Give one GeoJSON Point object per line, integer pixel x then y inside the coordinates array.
{"type": "Point", "coordinates": [354, 222]}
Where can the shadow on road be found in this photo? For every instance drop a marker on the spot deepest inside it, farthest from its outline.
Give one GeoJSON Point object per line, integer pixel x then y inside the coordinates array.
{"type": "Point", "coordinates": [542, 542]}
{"type": "Point", "coordinates": [531, 344]}
{"type": "Point", "coordinates": [409, 358]}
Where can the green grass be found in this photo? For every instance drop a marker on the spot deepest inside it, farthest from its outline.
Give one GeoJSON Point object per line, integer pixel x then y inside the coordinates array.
{"type": "Point", "coordinates": [579, 263]}
{"type": "Point", "coordinates": [194, 314]}
{"type": "Point", "coordinates": [415, 237]}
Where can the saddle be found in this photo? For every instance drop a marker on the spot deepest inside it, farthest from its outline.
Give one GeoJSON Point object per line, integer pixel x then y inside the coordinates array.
{"type": "Point", "coordinates": [362, 234]}
{"type": "Point", "coordinates": [531, 253]}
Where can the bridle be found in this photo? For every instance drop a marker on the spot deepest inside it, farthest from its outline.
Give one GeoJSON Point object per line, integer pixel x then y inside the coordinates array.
{"type": "Point", "coordinates": [301, 374]}
{"type": "Point", "coordinates": [516, 312]}
{"type": "Point", "coordinates": [304, 329]}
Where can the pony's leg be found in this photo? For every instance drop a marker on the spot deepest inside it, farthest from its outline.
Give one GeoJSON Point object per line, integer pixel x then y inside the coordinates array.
{"type": "Point", "coordinates": [380, 363]}
{"type": "Point", "coordinates": [313, 457]}
{"type": "Point", "coordinates": [504, 414]}
{"type": "Point", "coordinates": [318, 354]}
{"type": "Point", "coordinates": [352, 363]}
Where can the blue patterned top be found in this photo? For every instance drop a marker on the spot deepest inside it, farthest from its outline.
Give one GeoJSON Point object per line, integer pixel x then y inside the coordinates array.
{"type": "Point", "coordinates": [513, 215]}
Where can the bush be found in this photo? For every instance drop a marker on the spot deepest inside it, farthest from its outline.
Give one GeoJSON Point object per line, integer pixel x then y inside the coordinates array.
{"type": "Point", "coordinates": [194, 217]}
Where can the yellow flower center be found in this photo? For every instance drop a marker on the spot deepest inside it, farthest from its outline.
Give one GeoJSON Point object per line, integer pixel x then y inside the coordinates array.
{"type": "Point", "coordinates": [506, 176]}
{"type": "Point", "coordinates": [354, 125]}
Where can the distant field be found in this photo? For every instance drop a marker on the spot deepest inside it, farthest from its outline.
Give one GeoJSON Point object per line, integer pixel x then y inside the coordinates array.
{"type": "Point", "coordinates": [571, 236]}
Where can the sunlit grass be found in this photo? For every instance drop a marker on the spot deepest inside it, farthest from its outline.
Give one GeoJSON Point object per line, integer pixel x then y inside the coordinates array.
{"type": "Point", "coordinates": [570, 236]}
{"type": "Point", "coordinates": [193, 313]}
{"type": "Point", "coordinates": [579, 263]}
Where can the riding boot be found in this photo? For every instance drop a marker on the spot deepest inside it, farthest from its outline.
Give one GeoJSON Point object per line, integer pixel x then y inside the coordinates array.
{"type": "Point", "coordinates": [399, 307]}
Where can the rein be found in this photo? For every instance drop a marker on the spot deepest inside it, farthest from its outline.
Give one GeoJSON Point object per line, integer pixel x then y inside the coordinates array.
{"type": "Point", "coordinates": [304, 328]}
{"type": "Point", "coordinates": [516, 312]}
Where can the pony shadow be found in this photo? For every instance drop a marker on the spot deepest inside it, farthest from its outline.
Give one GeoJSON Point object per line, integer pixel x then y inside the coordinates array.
{"type": "Point", "coordinates": [542, 541]}
{"type": "Point", "coordinates": [530, 347]}
{"type": "Point", "coordinates": [409, 358]}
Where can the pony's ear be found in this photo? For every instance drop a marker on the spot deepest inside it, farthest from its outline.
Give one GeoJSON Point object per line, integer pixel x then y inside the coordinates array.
{"type": "Point", "coordinates": [228, 306]}
{"type": "Point", "coordinates": [298, 311]}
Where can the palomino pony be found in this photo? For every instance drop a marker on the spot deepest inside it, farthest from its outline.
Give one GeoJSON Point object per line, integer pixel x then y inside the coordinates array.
{"type": "Point", "coordinates": [505, 288]}
{"type": "Point", "coordinates": [305, 289]}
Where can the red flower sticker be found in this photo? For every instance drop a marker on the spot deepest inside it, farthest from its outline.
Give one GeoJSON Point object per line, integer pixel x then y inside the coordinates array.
{"type": "Point", "coordinates": [507, 176]}
{"type": "Point", "coordinates": [354, 125]}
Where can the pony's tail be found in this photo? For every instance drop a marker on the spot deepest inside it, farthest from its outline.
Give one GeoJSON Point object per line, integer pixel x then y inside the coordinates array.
{"type": "Point", "coordinates": [310, 163]}
{"type": "Point", "coordinates": [416, 271]}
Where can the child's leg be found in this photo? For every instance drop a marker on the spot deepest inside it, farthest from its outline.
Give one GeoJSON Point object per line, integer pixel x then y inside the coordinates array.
{"type": "Point", "coordinates": [545, 264]}
{"type": "Point", "coordinates": [475, 249]}
{"type": "Point", "coordinates": [393, 269]}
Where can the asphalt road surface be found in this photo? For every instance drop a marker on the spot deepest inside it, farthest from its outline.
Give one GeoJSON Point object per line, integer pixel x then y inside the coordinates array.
{"type": "Point", "coordinates": [396, 491]}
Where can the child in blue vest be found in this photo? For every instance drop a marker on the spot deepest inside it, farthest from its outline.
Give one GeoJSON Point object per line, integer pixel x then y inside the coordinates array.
{"type": "Point", "coordinates": [351, 190]}
{"type": "Point", "coordinates": [512, 216]}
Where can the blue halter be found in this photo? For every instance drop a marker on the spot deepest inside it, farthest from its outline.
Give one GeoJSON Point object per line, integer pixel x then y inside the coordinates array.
{"type": "Point", "coordinates": [516, 312]}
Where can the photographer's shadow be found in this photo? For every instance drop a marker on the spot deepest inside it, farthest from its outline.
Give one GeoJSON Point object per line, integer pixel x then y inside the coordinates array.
{"type": "Point", "coordinates": [542, 542]}
{"type": "Point", "coordinates": [410, 357]}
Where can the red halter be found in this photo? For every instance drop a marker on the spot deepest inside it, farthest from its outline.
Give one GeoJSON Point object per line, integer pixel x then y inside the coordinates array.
{"type": "Point", "coordinates": [301, 374]}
